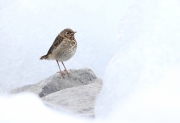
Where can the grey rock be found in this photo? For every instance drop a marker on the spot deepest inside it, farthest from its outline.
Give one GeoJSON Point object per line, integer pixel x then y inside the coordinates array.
{"type": "Point", "coordinates": [34, 88]}
{"type": "Point", "coordinates": [79, 100]}
{"type": "Point", "coordinates": [76, 78]}
{"type": "Point", "coordinates": [75, 93]}
{"type": "Point", "coordinates": [56, 82]}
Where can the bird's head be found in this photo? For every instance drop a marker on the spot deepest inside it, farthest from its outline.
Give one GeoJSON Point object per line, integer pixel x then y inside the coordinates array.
{"type": "Point", "coordinates": [68, 33]}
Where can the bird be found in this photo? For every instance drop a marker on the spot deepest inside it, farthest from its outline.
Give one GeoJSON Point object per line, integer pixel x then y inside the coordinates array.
{"type": "Point", "coordinates": [62, 49]}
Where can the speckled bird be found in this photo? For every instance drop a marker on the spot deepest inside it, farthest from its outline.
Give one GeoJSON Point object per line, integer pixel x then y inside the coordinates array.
{"type": "Point", "coordinates": [62, 49]}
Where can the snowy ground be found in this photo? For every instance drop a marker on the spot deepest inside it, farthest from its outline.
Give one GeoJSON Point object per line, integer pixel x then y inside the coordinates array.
{"type": "Point", "coordinates": [133, 45]}
{"type": "Point", "coordinates": [29, 27]}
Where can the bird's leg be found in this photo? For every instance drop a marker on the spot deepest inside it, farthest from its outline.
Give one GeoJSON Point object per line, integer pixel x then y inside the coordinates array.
{"type": "Point", "coordinates": [62, 74]}
{"type": "Point", "coordinates": [65, 68]}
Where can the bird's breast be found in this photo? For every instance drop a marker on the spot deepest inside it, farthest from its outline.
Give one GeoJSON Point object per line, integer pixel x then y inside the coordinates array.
{"type": "Point", "coordinates": [65, 50]}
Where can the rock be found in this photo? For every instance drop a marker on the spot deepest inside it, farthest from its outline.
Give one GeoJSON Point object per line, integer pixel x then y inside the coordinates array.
{"type": "Point", "coordinates": [76, 78]}
{"type": "Point", "coordinates": [75, 94]}
{"type": "Point", "coordinates": [56, 82]}
{"type": "Point", "coordinates": [79, 100]}
{"type": "Point", "coordinates": [34, 88]}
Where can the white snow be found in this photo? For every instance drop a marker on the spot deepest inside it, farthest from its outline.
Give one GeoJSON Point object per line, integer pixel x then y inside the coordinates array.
{"type": "Point", "coordinates": [142, 81]}
{"type": "Point", "coordinates": [133, 45]}
{"type": "Point", "coordinates": [27, 108]}
{"type": "Point", "coordinates": [29, 27]}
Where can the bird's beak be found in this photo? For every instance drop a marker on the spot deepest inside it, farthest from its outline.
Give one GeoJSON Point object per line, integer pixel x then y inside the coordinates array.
{"type": "Point", "coordinates": [74, 32]}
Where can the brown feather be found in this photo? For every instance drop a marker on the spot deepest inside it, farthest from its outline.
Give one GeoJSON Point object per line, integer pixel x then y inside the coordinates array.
{"type": "Point", "coordinates": [62, 35]}
{"type": "Point", "coordinates": [43, 57]}
{"type": "Point", "coordinates": [56, 42]}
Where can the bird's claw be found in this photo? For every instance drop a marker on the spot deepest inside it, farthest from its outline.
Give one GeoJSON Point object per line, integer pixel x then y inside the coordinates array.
{"type": "Point", "coordinates": [66, 72]}
{"type": "Point", "coordinates": [62, 73]}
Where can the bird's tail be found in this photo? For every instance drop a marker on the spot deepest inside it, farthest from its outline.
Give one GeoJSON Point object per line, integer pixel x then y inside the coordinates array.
{"type": "Point", "coordinates": [44, 57]}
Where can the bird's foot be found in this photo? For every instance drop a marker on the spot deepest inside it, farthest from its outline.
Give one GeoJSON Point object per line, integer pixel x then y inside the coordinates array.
{"type": "Point", "coordinates": [62, 73]}
{"type": "Point", "coordinates": [66, 72]}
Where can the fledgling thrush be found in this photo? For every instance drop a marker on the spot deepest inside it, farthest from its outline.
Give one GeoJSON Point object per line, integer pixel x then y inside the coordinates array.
{"type": "Point", "coordinates": [62, 49]}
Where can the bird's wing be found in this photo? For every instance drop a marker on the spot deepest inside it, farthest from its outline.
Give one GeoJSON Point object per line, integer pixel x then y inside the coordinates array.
{"type": "Point", "coordinates": [56, 42]}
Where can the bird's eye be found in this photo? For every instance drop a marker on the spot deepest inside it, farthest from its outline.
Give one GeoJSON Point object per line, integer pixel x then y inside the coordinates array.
{"type": "Point", "coordinates": [67, 33]}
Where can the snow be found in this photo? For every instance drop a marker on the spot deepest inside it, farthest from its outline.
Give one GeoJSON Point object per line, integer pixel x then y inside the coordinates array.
{"type": "Point", "coordinates": [141, 83]}
{"type": "Point", "coordinates": [28, 108]}
{"type": "Point", "coordinates": [29, 27]}
{"type": "Point", "coordinates": [132, 45]}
